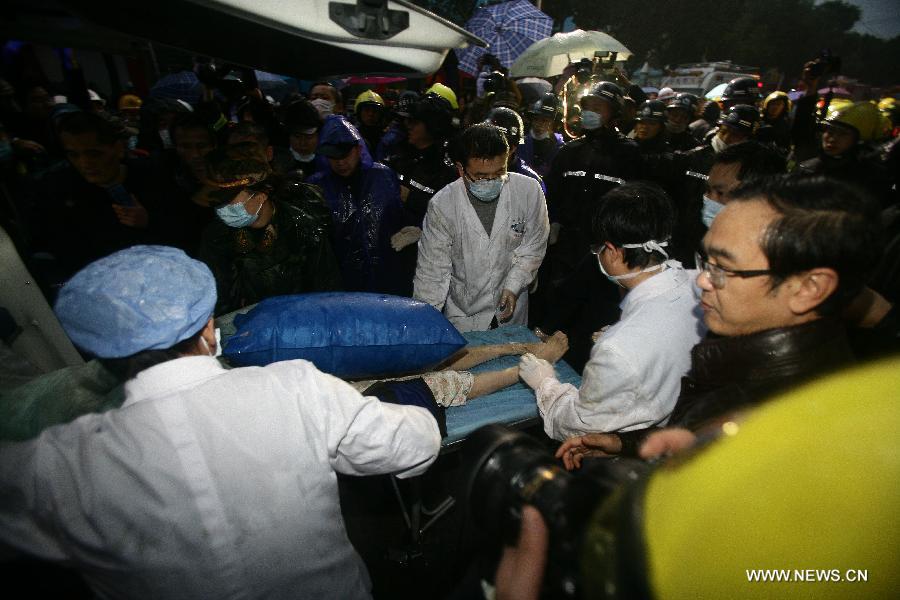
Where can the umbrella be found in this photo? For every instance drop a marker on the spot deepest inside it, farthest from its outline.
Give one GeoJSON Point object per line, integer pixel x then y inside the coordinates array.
{"type": "Point", "coordinates": [715, 94]}
{"type": "Point", "coordinates": [509, 28]}
{"type": "Point", "coordinates": [373, 80]}
{"type": "Point", "coordinates": [183, 85]}
{"type": "Point", "coordinates": [550, 56]}
{"type": "Point", "coordinates": [273, 85]}
{"type": "Point", "coordinates": [837, 91]}
{"type": "Point", "coordinates": [532, 89]}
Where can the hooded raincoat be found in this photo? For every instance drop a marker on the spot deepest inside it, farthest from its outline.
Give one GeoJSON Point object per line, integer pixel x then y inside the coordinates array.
{"type": "Point", "coordinates": [366, 211]}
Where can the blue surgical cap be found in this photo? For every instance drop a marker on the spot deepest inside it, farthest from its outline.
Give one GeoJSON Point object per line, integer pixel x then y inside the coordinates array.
{"type": "Point", "coordinates": [140, 298]}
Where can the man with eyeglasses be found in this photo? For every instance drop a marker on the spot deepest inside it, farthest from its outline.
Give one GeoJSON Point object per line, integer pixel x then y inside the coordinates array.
{"type": "Point", "coordinates": [779, 264]}
{"type": "Point", "coordinates": [483, 238]}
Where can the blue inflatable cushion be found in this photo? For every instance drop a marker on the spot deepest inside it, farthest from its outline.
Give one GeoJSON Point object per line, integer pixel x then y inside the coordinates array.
{"type": "Point", "coordinates": [350, 335]}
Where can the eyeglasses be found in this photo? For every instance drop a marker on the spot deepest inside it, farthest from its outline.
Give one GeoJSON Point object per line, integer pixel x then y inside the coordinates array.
{"type": "Point", "coordinates": [486, 177]}
{"type": "Point", "coordinates": [718, 273]}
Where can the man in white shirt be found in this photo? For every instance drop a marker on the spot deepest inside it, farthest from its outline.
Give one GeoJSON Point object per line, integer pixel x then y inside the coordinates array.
{"type": "Point", "coordinates": [633, 377]}
{"type": "Point", "coordinates": [206, 483]}
{"type": "Point", "coordinates": [483, 238]}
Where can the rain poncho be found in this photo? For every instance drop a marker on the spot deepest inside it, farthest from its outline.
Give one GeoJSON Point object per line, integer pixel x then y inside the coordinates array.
{"type": "Point", "coordinates": [539, 154]}
{"type": "Point", "coordinates": [519, 166]}
{"type": "Point", "coordinates": [366, 211]}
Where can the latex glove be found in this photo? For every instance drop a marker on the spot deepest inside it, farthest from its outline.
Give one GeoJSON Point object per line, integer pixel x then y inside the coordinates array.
{"type": "Point", "coordinates": [554, 233]}
{"type": "Point", "coordinates": [406, 236]}
{"type": "Point", "coordinates": [534, 370]}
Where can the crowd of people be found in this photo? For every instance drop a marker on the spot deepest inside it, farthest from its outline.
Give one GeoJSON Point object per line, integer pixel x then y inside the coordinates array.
{"type": "Point", "coordinates": [691, 259]}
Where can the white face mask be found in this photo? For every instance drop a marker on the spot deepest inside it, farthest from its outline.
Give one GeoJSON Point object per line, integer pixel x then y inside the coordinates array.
{"type": "Point", "coordinates": [710, 209]}
{"type": "Point", "coordinates": [718, 144]}
{"type": "Point", "coordinates": [540, 136]}
{"type": "Point", "coordinates": [302, 157]}
{"type": "Point", "coordinates": [218, 351]}
{"type": "Point", "coordinates": [650, 246]}
{"type": "Point", "coordinates": [325, 107]}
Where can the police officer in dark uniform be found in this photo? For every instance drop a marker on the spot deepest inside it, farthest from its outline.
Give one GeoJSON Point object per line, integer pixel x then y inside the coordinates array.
{"type": "Point", "coordinates": [512, 126]}
{"type": "Point", "coordinates": [741, 90]}
{"type": "Point", "coordinates": [423, 168]}
{"type": "Point", "coordinates": [649, 128]}
{"type": "Point", "coordinates": [574, 296]}
{"type": "Point", "coordinates": [679, 115]}
{"type": "Point", "coordinates": [542, 142]}
{"type": "Point", "coordinates": [585, 169]}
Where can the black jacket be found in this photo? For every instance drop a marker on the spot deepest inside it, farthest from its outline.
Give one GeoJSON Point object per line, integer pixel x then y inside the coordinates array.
{"type": "Point", "coordinates": [582, 172]}
{"type": "Point", "coordinates": [732, 373]}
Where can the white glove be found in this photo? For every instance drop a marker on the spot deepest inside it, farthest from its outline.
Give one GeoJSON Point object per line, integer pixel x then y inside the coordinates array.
{"type": "Point", "coordinates": [534, 370]}
{"type": "Point", "coordinates": [406, 236]}
{"type": "Point", "coordinates": [554, 233]}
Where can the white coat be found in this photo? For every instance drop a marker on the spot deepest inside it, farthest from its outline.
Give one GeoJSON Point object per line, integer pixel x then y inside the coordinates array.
{"type": "Point", "coordinates": [210, 483]}
{"type": "Point", "coordinates": [633, 377]}
{"type": "Point", "coordinates": [462, 271]}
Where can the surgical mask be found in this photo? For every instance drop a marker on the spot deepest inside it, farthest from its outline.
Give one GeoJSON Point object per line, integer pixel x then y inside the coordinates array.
{"type": "Point", "coordinates": [718, 144]}
{"type": "Point", "coordinates": [236, 215]}
{"type": "Point", "coordinates": [325, 107]}
{"type": "Point", "coordinates": [710, 209]}
{"type": "Point", "coordinates": [166, 138]}
{"type": "Point", "coordinates": [591, 120]}
{"type": "Point", "coordinates": [302, 157]}
{"type": "Point", "coordinates": [540, 136]}
{"type": "Point", "coordinates": [651, 246]}
{"type": "Point", "coordinates": [675, 128]}
{"type": "Point", "coordinates": [6, 151]}
{"type": "Point", "coordinates": [487, 190]}
{"type": "Point", "coordinates": [218, 351]}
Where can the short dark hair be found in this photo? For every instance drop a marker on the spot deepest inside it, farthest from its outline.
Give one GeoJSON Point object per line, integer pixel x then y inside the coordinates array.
{"type": "Point", "coordinates": [80, 122]}
{"type": "Point", "coordinates": [128, 367]}
{"type": "Point", "coordinates": [755, 159]}
{"type": "Point", "coordinates": [634, 213]}
{"type": "Point", "coordinates": [823, 223]}
{"type": "Point", "coordinates": [191, 120]}
{"type": "Point", "coordinates": [483, 140]}
{"type": "Point", "coordinates": [334, 91]}
{"type": "Point", "coordinates": [251, 130]}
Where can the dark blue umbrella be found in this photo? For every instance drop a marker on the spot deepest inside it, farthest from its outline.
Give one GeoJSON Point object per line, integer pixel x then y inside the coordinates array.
{"type": "Point", "coordinates": [183, 85]}
{"type": "Point", "coordinates": [508, 28]}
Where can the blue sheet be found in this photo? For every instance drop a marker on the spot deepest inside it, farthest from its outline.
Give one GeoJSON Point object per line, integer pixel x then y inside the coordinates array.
{"type": "Point", "coordinates": [510, 406]}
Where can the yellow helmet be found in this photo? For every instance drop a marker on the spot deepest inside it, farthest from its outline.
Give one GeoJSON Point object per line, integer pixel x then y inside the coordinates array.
{"type": "Point", "coordinates": [861, 116]}
{"type": "Point", "coordinates": [444, 92]}
{"type": "Point", "coordinates": [807, 487]}
{"type": "Point", "coordinates": [368, 97]}
{"type": "Point", "coordinates": [887, 104]}
{"type": "Point", "coordinates": [778, 96]}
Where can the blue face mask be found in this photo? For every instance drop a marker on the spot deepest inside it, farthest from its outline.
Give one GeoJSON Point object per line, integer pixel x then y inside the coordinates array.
{"type": "Point", "coordinates": [487, 190]}
{"type": "Point", "coordinates": [710, 209]}
{"type": "Point", "coordinates": [236, 215]}
{"type": "Point", "coordinates": [591, 120]}
{"type": "Point", "coordinates": [6, 151]}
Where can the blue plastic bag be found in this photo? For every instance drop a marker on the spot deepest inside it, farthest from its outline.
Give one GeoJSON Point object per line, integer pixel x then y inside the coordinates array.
{"type": "Point", "coordinates": [350, 335]}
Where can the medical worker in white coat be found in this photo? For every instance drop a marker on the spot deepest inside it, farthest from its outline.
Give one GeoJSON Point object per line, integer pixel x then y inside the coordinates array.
{"type": "Point", "coordinates": [633, 378]}
{"type": "Point", "coordinates": [483, 239]}
{"type": "Point", "coordinates": [207, 482]}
